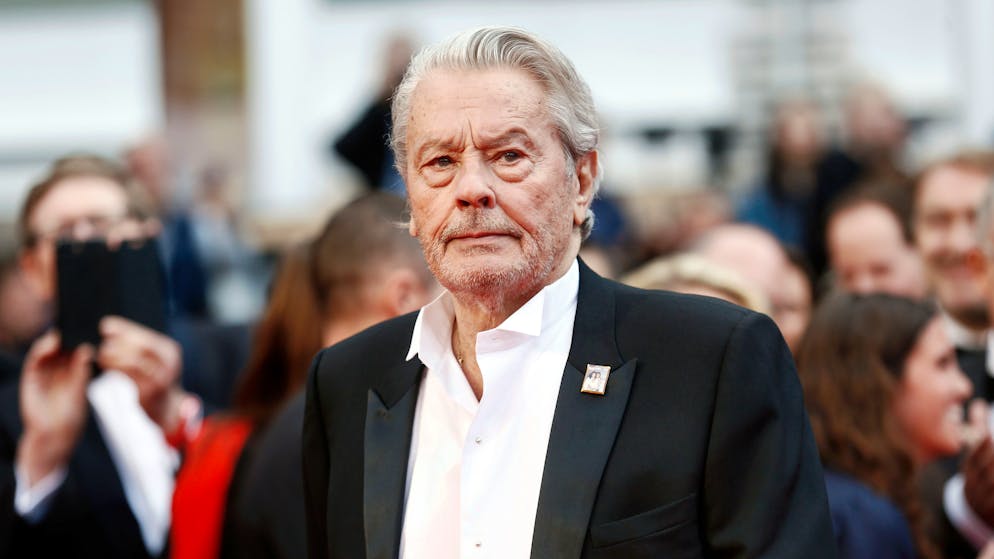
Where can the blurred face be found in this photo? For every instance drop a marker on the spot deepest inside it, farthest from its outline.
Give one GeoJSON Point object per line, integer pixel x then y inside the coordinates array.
{"type": "Point", "coordinates": [945, 232]}
{"type": "Point", "coordinates": [873, 123]}
{"type": "Point", "coordinates": [78, 208]}
{"type": "Point", "coordinates": [797, 132]}
{"type": "Point", "coordinates": [793, 311]}
{"type": "Point", "coordinates": [928, 404]}
{"type": "Point", "coordinates": [752, 254]}
{"type": "Point", "coordinates": [869, 254]}
{"type": "Point", "coordinates": [493, 203]}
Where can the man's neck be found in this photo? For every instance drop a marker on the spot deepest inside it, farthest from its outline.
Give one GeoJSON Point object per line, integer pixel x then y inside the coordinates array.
{"type": "Point", "coordinates": [474, 314]}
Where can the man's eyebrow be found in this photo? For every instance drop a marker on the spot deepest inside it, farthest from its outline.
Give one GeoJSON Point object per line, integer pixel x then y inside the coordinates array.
{"type": "Point", "coordinates": [510, 136]}
{"type": "Point", "coordinates": [432, 145]}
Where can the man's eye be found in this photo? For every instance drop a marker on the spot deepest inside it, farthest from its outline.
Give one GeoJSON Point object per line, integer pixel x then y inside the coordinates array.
{"type": "Point", "coordinates": [442, 162]}
{"type": "Point", "coordinates": [510, 156]}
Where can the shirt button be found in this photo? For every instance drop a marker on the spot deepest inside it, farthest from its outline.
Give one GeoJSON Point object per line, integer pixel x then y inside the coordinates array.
{"type": "Point", "coordinates": [478, 545]}
{"type": "Point", "coordinates": [478, 441]}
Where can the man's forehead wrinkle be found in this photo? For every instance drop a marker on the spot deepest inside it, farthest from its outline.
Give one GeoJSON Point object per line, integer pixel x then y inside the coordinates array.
{"type": "Point", "coordinates": [452, 118]}
{"type": "Point", "coordinates": [504, 137]}
{"type": "Point", "coordinates": [449, 143]}
{"type": "Point", "coordinates": [455, 138]}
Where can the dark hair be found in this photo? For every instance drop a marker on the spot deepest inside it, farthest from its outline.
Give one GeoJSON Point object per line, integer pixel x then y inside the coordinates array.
{"type": "Point", "coordinates": [286, 338]}
{"type": "Point", "coordinates": [850, 362]}
{"type": "Point", "coordinates": [895, 199]}
{"type": "Point", "coordinates": [315, 283]}
{"type": "Point", "coordinates": [75, 166]}
{"type": "Point", "coordinates": [787, 179]}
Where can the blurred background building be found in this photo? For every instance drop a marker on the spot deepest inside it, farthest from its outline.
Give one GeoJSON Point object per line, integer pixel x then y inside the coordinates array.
{"type": "Point", "coordinates": [234, 106]}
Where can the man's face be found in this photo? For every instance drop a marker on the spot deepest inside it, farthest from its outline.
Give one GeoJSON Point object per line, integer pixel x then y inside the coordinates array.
{"type": "Point", "coordinates": [869, 253]}
{"type": "Point", "coordinates": [793, 313]}
{"type": "Point", "coordinates": [945, 232]}
{"type": "Point", "coordinates": [493, 203]}
{"type": "Point", "coordinates": [78, 207]}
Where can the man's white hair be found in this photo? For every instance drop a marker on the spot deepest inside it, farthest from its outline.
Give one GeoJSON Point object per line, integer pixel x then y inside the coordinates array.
{"type": "Point", "coordinates": [567, 96]}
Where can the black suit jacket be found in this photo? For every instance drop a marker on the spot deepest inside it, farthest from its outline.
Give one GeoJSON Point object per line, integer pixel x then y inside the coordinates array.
{"type": "Point", "coordinates": [89, 515]}
{"type": "Point", "coordinates": [700, 447]}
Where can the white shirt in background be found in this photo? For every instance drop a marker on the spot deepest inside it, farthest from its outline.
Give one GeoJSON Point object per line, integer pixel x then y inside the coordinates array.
{"type": "Point", "coordinates": [146, 464]}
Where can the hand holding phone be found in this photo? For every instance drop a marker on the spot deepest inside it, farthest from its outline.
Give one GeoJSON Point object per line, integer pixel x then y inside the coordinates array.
{"type": "Point", "coordinates": [53, 405]}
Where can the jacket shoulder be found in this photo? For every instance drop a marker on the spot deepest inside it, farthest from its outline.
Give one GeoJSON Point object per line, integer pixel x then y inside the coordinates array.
{"type": "Point", "coordinates": [684, 312]}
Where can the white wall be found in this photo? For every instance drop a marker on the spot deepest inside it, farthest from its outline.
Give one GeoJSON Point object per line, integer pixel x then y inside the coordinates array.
{"type": "Point", "coordinates": [88, 77]}
{"type": "Point", "coordinates": [71, 79]}
{"type": "Point", "coordinates": [646, 61]}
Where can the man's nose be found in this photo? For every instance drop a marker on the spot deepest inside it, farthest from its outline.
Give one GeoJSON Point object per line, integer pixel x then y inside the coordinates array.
{"type": "Point", "coordinates": [83, 230]}
{"type": "Point", "coordinates": [963, 386]}
{"type": "Point", "coordinates": [474, 188]}
{"type": "Point", "coordinates": [963, 238]}
{"type": "Point", "coordinates": [863, 284]}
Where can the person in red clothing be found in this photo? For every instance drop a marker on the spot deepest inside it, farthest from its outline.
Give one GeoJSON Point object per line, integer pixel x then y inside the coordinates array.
{"type": "Point", "coordinates": [360, 270]}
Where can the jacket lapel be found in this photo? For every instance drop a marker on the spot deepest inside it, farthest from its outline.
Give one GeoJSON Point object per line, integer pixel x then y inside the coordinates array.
{"type": "Point", "coordinates": [584, 426]}
{"type": "Point", "coordinates": [389, 422]}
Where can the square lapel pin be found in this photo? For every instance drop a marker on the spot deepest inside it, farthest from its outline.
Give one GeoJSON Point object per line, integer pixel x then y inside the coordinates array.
{"type": "Point", "coordinates": [595, 379]}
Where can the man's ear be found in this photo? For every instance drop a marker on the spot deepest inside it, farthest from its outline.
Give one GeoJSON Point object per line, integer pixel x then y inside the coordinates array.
{"type": "Point", "coordinates": [587, 169]}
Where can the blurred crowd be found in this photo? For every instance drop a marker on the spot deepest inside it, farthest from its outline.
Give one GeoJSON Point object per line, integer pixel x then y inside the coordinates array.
{"type": "Point", "coordinates": [184, 441]}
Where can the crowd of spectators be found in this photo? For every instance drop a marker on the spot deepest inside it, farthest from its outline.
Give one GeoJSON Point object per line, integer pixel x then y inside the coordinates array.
{"type": "Point", "coordinates": [185, 441]}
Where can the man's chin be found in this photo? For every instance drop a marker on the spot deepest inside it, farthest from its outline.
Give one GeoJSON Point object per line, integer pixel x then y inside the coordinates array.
{"type": "Point", "coordinates": [486, 275]}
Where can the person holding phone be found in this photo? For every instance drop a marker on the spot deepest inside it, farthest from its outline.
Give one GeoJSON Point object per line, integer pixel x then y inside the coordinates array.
{"type": "Point", "coordinates": [84, 462]}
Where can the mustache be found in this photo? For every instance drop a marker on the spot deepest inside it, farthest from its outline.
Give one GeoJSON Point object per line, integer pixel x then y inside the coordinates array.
{"type": "Point", "coordinates": [479, 224]}
{"type": "Point", "coordinates": [951, 258]}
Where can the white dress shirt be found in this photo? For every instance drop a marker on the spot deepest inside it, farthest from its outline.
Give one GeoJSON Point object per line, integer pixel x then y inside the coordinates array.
{"type": "Point", "coordinates": [475, 468]}
{"type": "Point", "coordinates": [961, 336]}
{"type": "Point", "coordinates": [961, 515]}
{"type": "Point", "coordinates": [146, 464]}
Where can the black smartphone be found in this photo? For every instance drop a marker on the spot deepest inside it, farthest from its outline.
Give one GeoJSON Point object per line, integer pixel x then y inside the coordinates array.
{"type": "Point", "coordinates": [94, 281]}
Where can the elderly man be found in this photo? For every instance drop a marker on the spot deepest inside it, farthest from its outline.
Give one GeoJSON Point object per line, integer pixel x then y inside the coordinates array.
{"type": "Point", "coordinates": [475, 427]}
{"type": "Point", "coordinates": [84, 465]}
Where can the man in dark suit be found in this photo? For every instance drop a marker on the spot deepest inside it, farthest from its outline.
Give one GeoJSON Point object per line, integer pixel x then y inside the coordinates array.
{"type": "Point", "coordinates": [468, 428]}
{"type": "Point", "coordinates": [84, 467]}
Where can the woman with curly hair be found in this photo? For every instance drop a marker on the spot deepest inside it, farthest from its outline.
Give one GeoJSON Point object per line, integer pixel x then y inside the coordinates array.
{"type": "Point", "coordinates": [885, 396]}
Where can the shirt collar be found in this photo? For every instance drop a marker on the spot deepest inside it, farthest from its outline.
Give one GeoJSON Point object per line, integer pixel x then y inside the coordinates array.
{"type": "Point", "coordinates": [432, 336]}
{"type": "Point", "coordinates": [963, 337]}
